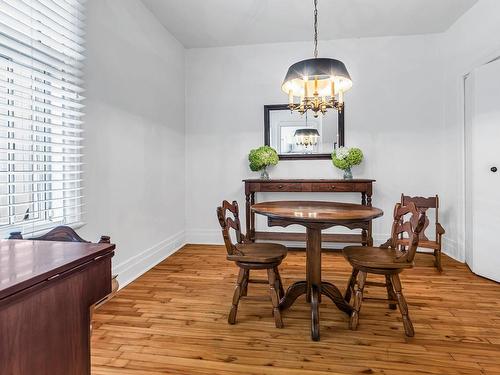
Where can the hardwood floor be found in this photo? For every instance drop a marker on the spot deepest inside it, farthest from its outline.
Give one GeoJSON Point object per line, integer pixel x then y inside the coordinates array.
{"type": "Point", "coordinates": [173, 320]}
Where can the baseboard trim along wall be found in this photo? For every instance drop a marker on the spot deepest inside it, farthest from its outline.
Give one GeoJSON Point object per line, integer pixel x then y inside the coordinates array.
{"type": "Point", "coordinates": [450, 247]}
{"type": "Point", "coordinates": [204, 236]}
{"type": "Point", "coordinates": [214, 237]}
{"type": "Point", "coordinates": [139, 264]}
{"type": "Point", "coordinates": [134, 267]}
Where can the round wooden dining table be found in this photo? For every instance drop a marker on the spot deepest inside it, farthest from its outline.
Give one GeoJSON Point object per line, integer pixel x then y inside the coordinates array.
{"type": "Point", "coordinates": [316, 216]}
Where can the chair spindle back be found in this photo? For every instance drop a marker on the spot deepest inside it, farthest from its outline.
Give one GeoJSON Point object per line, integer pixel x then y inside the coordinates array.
{"type": "Point", "coordinates": [423, 204]}
{"type": "Point", "coordinates": [227, 222]}
{"type": "Point", "coordinates": [412, 228]}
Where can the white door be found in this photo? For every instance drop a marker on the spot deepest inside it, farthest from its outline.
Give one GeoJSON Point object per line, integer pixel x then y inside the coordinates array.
{"type": "Point", "coordinates": [482, 94]}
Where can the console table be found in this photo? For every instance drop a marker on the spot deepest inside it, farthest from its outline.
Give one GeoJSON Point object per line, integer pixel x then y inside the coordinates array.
{"type": "Point", "coordinates": [362, 186]}
{"type": "Point", "coordinates": [46, 291]}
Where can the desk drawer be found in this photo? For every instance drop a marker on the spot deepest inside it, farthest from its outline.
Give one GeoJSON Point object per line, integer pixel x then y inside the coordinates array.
{"type": "Point", "coordinates": [281, 186]}
{"type": "Point", "coordinates": [335, 187]}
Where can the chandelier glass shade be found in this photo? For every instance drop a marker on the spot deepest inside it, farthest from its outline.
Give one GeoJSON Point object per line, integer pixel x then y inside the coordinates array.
{"type": "Point", "coordinates": [318, 83]}
{"type": "Point", "coordinates": [306, 137]}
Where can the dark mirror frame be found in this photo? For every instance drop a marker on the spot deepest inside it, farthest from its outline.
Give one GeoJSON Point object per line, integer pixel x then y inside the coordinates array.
{"type": "Point", "coordinates": [281, 107]}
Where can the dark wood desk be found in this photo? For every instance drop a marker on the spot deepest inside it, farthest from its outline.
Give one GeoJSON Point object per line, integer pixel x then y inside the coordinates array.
{"type": "Point", "coordinates": [315, 216]}
{"type": "Point", "coordinates": [362, 186]}
{"type": "Point", "coordinates": [46, 291]}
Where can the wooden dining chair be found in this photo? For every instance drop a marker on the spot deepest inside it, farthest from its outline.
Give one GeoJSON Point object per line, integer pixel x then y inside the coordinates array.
{"type": "Point", "coordinates": [250, 256]}
{"type": "Point", "coordinates": [423, 205]}
{"type": "Point", "coordinates": [388, 260]}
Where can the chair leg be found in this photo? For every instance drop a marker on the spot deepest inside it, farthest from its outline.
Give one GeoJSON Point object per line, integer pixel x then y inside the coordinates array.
{"type": "Point", "coordinates": [358, 300]}
{"type": "Point", "coordinates": [236, 297]}
{"type": "Point", "coordinates": [403, 307]}
{"type": "Point", "coordinates": [350, 285]}
{"type": "Point", "coordinates": [244, 287]}
{"type": "Point", "coordinates": [271, 274]}
{"type": "Point", "coordinates": [437, 262]}
{"type": "Point", "coordinates": [390, 292]}
{"type": "Point", "coordinates": [280, 283]}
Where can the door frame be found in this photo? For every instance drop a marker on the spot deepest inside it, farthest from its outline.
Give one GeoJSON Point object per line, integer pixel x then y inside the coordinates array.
{"type": "Point", "coordinates": [467, 206]}
{"type": "Point", "coordinates": [467, 160]}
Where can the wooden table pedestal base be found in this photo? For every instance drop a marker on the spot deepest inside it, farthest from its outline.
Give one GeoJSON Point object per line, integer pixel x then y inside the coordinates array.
{"type": "Point", "coordinates": [313, 287]}
{"type": "Point", "coordinates": [328, 289]}
{"type": "Point", "coordinates": [315, 217]}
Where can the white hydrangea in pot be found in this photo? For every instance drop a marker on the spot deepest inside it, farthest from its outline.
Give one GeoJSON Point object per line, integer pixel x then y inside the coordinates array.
{"type": "Point", "coordinates": [346, 157]}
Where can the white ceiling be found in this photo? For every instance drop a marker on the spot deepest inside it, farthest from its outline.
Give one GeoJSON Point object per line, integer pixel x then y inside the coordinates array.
{"type": "Point", "coordinates": [211, 23]}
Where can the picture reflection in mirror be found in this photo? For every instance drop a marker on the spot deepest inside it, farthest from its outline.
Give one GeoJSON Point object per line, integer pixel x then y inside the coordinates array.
{"type": "Point", "coordinates": [291, 133]}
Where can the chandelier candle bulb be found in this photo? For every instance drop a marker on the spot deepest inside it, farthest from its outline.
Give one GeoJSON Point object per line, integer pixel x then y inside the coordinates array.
{"type": "Point", "coordinates": [330, 77]}
{"type": "Point", "coordinates": [290, 97]}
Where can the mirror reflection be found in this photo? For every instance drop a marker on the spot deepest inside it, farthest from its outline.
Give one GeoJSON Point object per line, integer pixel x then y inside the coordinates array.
{"type": "Point", "coordinates": [292, 134]}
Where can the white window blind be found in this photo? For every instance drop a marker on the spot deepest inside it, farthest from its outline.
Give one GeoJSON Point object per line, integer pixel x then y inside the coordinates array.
{"type": "Point", "coordinates": [41, 57]}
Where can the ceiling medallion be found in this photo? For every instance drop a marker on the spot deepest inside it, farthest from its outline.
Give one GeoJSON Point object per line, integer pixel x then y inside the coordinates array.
{"type": "Point", "coordinates": [320, 83]}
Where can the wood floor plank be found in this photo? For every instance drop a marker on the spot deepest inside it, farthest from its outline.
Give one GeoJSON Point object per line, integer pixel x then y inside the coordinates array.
{"type": "Point", "coordinates": [173, 320]}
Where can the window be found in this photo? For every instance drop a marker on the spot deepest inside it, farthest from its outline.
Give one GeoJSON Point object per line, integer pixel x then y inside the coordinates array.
{"type": "Point", "coordinates": [41, 58]}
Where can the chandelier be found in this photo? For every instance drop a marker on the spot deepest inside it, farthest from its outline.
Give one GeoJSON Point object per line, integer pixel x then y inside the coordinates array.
{"type": "Point", "coordinates": [319, 83]}
{"type": "Point", "coordinates": [306, 137]}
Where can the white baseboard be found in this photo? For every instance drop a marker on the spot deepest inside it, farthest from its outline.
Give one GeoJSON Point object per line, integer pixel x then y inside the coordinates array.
{"type": "Point", "coordinates": [134, 267]}
{"type": "Point", "coordinates": [204, 236]}
{"type": "Point", "coordinates": [451, 248]}
{"type": "Point", "coordinates": [214, 237]}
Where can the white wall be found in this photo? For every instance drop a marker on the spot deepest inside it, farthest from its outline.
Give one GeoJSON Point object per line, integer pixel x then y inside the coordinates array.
{"type": "Point", "coordinates": [143, 173]}
{"type": "Point", "coordinates": [473, 40]}
{"type": "Point", "coordinates": [134, 135]}
{"type": "Point", "coordinates": [394, 113]}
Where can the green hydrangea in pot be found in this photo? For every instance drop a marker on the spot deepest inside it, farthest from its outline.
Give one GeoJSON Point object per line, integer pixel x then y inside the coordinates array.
{"type": "Point", "coordinates": [262, 157]}
{"type": "Point", "coordinates": [346, 157]}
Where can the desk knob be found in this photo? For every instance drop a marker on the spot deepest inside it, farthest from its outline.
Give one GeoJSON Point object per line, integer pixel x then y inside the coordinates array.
{"type": "Point", "coordinates": [493, 169]}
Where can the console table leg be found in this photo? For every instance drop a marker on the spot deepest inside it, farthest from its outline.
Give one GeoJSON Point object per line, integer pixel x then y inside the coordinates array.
{"type": "Point", "coordinates": [370, 234]}
{"type": "Point", "coordinates": [364, 237]}
{"type": "Point", "coordinates": [252, 217]}
{"type": "Point", "coordinates": [247, 216]}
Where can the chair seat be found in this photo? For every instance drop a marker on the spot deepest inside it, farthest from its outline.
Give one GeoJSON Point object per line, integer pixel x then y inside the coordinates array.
{"type": "Point", "coordinates": [259, 253]}
{"type": "Point", "coordinates": [427, 244]}
{"type": "Point", "coordinates": [374, 257]}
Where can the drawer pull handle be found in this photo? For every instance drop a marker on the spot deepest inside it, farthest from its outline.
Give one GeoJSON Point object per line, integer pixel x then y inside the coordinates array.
{"type": "Point", "coordinates": [54, 276]}
{"type": "Point", "coordinates": [333, 187]}
{"type": "Point", "coordinates": [280, 186]}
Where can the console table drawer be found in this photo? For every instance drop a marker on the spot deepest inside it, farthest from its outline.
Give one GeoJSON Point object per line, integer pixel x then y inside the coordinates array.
{"type": "Point", "coordinates": [281, 186]}
{"type": "Point", "coordinates": [336, 187]}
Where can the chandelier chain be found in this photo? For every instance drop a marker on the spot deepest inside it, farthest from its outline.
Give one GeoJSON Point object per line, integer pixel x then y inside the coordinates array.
{"type": "Point", "coordinates": [309, 80]}
{"type": "Point", "coordinates": [315, 28]}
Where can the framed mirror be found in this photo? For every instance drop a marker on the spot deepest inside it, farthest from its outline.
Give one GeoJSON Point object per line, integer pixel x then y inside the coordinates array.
{"type": "Point", "coordinates": [296, 136]}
